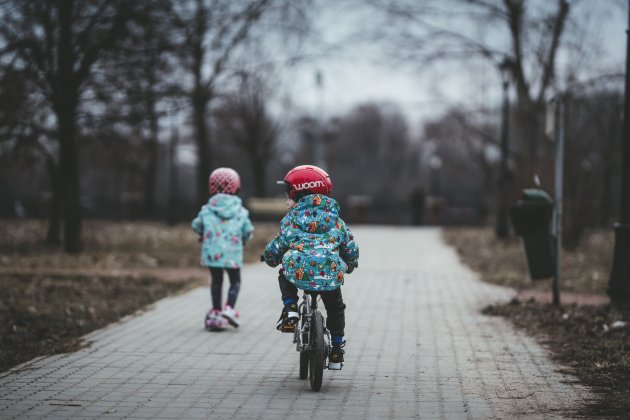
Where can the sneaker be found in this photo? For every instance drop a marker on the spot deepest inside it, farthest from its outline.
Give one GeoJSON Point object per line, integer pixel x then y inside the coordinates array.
{"type": "Point", "coordinates": [288, 318]}
{"type": "Point", "coordinates": [214, 321]}
{"type": "Point", "coordinates": [335, 359]}
{"type": "Point", "coordinates": [231, 316]}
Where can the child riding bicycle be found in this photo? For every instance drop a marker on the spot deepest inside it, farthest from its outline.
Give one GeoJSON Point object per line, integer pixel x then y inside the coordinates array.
{"type": "Point", "coordinates": [316, 249]}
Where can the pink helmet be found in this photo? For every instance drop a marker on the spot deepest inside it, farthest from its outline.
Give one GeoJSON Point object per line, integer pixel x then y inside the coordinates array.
{"type": "Point", "coordinates": [224, 180]}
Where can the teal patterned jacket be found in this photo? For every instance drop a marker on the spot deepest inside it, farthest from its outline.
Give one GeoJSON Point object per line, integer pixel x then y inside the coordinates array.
{"type": "Point", "coordinates": [314, 245]}
{"type": "Point", "coordinates": [224, 225]}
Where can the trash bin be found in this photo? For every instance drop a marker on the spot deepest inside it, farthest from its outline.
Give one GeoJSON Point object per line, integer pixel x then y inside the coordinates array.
{"type": "Point", "coordinates": [531, 219]}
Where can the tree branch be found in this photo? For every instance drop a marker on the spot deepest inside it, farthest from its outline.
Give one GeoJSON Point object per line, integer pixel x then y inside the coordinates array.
{"type": "Point", "coordinates": [549, 63]}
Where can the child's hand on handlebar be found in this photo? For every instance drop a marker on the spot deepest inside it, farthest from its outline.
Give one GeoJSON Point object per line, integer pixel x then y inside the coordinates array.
{"type": "Point", "coordinates": [351, 267]}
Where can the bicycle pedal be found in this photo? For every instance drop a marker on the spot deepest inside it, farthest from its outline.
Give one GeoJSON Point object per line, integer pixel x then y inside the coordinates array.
{"type": "Point", "coordinates": [287, 328]}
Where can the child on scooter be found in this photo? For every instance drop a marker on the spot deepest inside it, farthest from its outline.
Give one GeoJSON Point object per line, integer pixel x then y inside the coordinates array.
{"type": "Point", "coordinates": [223, 226]}
{"type": "Point", "coordinates": [316, 249]}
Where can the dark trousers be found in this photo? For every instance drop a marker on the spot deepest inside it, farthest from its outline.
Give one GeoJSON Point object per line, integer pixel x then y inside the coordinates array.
{"type": "Point", "coordinates": [216, 286]}
{"type": "Point", "coordinates": [333, 302]}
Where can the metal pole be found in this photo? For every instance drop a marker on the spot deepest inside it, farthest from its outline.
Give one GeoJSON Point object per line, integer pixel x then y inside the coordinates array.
{"type": "Point", "coordinates": [320, 159]}
{"type": "Point", "coordinates": [619, 282]}
{"type": "Point", "coordinates": [502, 229]}
{"type": "Point", "coordinates": [559, 166]}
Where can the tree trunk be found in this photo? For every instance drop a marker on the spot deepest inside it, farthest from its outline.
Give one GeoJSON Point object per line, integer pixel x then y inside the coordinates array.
{"type": "Point", "coordinates": [150, 71]}
{"type": "Point", "coordinates": [260, 175]}
{"type": "Point", "coordinates": [54, 223]}
{"type": "Point", "coordinates": [200, 99]}
{"type": "Point", "coordinates": [171, 218]}
{"type": "Point", "coordinates": [69, 177]}
{"type": "Point", "coordinates": [200, 105]}
{"type": "Point", "coordinates": [152, 157]}
{"type": "Point", "coordinates": [66, 94]}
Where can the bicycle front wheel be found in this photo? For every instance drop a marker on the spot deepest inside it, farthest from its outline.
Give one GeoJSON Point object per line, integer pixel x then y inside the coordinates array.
{"type": "Point", "coordinates": [304, 355]}
{"type": "Point", "coordinates": [317, 353]}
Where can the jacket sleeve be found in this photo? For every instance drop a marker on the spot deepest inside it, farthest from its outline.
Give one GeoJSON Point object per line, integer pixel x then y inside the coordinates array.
{"type": "Point", "coordinates": [349, 250]}
{"type": "Point", "coordinates": [197, 224]}
{"type": "Point", "coordinates": [247, 228]}
{"type": "Point", "coordinates": [275, 250]}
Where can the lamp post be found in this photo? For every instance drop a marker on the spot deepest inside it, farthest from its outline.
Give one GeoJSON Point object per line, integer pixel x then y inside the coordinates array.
{"type": "Point", "coordinates": [502, 229]}
{"type": "Point", "coordinates": [619, 282]}
{"type": "Point", "coordinates": [320, 153]}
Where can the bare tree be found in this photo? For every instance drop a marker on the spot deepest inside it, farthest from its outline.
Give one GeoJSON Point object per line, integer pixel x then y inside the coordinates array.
{"type": "Point", "coordinates": [531, 35]}
{"type": "Point", "coordinates": [466, 142]}
{"type": "Point", "coordinates": [25, 127]}
{"type": "Point", "coordinates": [594, 126]}
{"type": "Point", "coordinates": [138, 84]}
{"type": "Point", "coordinates": [458, 30]}
{"type": "Point", "coordinates": [369, 154]}
{"type": "Point", "coordinates": [211, 32]}
{"type": "Point", "coordinates": [244, 119]}
{"type": "Point", "coordinates": [58, 44]}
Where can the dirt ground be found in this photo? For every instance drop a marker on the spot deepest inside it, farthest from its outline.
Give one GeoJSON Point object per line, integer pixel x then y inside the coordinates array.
{"type": "Point", "coordinates": [585, 333]}
{"type": "Point", "coordinates": [51, 299]}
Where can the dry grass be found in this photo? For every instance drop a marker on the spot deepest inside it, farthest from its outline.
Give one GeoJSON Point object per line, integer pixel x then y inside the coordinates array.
{"type": "Point", "coordinates": [503, 262]}
{"type": "Point", "coordinates": [45, 312]}
{"type": "Point", "coordinates": [112, 245]}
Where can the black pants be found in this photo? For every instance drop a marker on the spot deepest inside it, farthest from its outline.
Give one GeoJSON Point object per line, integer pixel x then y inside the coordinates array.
{"type": "Point", "coordinates": [216, 287]}
{"type": "Point", "coordinates": [333, 302]}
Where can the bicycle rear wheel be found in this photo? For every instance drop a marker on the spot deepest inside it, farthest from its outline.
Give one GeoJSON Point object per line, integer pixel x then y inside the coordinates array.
{"type": "Point", "coordinates": [304, 356]}
{"type": "Point", "coordinates": [317, 353]}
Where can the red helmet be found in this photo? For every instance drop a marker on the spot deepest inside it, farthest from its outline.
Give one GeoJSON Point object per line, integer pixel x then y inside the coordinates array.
{"type": "Point", "coordinates": [224, 180]}
{"type": "Point", "coordinates": [306, 179]}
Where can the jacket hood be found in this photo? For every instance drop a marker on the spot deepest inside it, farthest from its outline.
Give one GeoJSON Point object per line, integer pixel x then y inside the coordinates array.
{"type": "Point", "coordinates": [316, 213]}
{"type": "Point", "coordinates": [225, 206]}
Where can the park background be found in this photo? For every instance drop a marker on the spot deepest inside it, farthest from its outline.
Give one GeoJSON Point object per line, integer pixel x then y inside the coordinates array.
{"type": "Point", "coordinates": [113, 113]}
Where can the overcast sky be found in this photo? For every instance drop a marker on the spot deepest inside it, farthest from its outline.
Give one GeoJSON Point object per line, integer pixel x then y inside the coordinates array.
{"type": "Point", "coordinates": [357, 73]}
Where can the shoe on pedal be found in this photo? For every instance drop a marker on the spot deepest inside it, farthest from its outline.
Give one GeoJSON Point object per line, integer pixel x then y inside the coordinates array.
{"type": "Point", "coordinates": [288, 318]}
{"type": "Point", "coordinates": [231, 316]}
{"type": "Point", "coordinates": [335, 359]}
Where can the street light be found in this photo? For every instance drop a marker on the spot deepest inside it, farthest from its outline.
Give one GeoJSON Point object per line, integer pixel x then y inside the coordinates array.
{"type": "Point", "coordinates": [320, 152]}
{"type": "Point", "coordinates": [502, 229]}
{"type": "Point", "coordinates": [619, 282]}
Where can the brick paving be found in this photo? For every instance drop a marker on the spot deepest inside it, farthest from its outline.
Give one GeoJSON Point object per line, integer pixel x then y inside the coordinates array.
{"type": "Point", "coordinates": [417, 348]}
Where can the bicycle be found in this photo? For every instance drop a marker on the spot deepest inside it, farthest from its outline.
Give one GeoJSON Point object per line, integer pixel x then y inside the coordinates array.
{"type": "Point", "coordinates": [312, 340]}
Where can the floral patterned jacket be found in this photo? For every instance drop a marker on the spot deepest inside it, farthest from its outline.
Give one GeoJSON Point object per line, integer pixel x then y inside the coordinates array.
{"type": "Point", "coordinates": [314, 245]}
{"type": "Point", "coordinates": [224, 225]}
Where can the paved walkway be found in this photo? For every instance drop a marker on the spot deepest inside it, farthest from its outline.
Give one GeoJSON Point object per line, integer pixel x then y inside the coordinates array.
{"type": "Point", "coordinates": [417, 348]}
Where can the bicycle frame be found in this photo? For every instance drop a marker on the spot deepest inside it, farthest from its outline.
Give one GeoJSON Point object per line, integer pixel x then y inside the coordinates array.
{"type": "Point", "coordinates": [307, 307]}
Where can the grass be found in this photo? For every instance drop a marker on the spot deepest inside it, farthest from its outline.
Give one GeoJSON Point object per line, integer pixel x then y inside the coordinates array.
{"type": "Point", "coordinates": [51, 299]}
{"type": "Point", "coordinates": [593, 341]}
{"type": "Point", "coordinates": [112, 245]}
{"type": "Point", "coordinates": [502, 262]}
